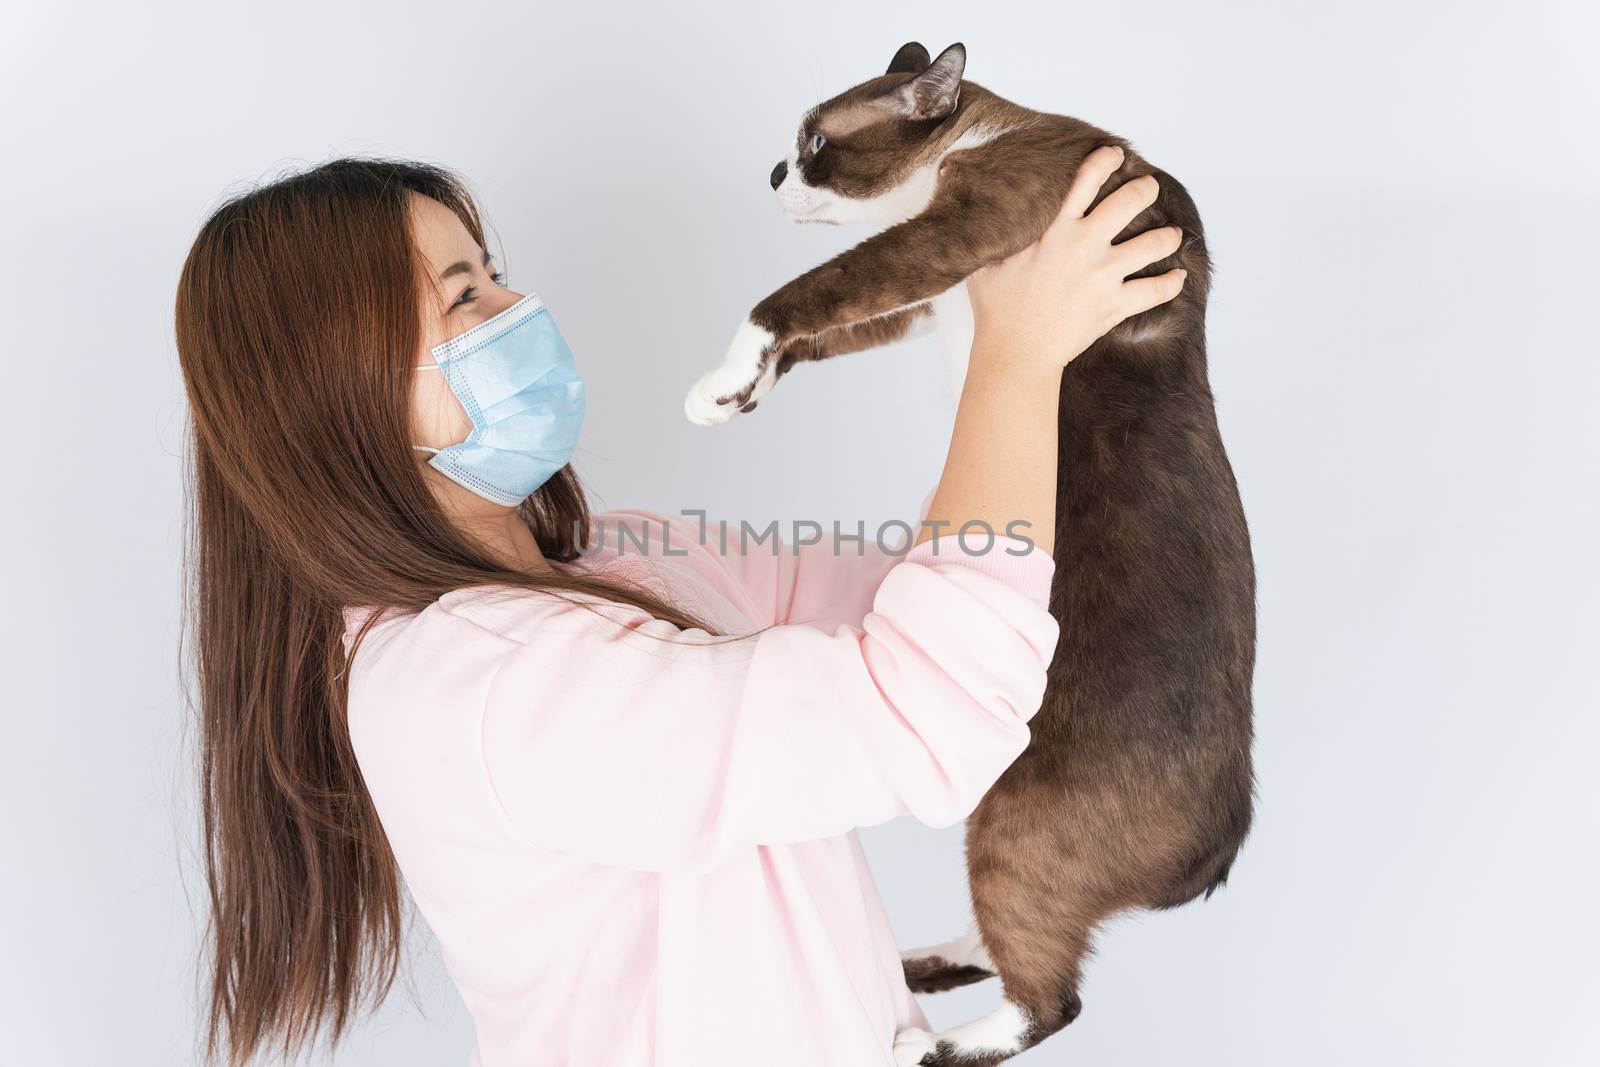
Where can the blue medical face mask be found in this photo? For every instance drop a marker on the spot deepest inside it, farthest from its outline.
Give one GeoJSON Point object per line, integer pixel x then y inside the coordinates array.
{"type": "Point", "coordinates": [514, 375]}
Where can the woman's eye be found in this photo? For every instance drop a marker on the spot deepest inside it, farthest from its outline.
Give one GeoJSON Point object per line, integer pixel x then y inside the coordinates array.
{"type": "Point", "coordinates": [470, 293]}
{"type": "Point", "coordinates": [817, 141]}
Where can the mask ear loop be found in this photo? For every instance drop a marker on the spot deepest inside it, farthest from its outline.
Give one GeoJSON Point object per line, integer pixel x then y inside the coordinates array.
{"type": "Point", "coordinates": [425, 448]}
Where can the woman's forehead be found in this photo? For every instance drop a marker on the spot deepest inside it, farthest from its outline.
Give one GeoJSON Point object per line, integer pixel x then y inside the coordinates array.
{"type": "Point", "coordinates": [440, 233]}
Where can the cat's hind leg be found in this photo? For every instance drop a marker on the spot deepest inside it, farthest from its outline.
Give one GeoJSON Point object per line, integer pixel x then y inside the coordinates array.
{"type": "Point", "coordinates": [996, 1037]}
{"type": "Point", "coordinates": [937, 968]}
{"type": "Point", "coordinates": [1037, 921]}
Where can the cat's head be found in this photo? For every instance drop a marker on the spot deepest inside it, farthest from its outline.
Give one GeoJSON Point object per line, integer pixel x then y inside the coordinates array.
{"type": "Point", "coordinates": [863, 156]}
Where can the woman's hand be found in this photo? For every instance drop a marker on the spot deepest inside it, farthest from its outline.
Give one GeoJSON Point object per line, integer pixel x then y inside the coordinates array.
{"type": "Point", "coordinates": [1049, 302]}
{"type": "Point", "coordinates": [1033, 314]}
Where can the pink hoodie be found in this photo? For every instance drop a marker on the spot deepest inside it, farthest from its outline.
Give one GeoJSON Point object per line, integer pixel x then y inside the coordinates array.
{"type": "Point", "coordinates": [634, 843]}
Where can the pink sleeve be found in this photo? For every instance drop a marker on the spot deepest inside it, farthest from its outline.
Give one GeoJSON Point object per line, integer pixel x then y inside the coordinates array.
{"type": "Point", "coordinates": [819, 575]}
{"type": "Point", "coordinates": [646, 746]}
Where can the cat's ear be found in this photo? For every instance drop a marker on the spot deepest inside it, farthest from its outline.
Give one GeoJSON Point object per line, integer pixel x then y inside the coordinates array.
{"type": "Point", "coordinates": [911, 59]}
{"type": "Point", "coordinates": [933, 93]}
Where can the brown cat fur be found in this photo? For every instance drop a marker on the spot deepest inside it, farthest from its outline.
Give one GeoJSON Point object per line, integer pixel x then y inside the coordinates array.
{"type": "Point", "coordinates": [1136, 789]}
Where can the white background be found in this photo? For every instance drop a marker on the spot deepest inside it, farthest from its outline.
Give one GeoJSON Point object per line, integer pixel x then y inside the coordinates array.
{"type": "Point", "coordinates": [1401, 204]}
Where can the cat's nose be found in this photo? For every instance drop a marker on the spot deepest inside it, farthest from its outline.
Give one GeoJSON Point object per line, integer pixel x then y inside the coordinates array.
{"type": "Point", "coordinates": [779, 172]}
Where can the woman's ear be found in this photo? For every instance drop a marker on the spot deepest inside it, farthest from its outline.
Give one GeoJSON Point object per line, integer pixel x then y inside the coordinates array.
{"type": "Point", "coordinates": [933, 93]}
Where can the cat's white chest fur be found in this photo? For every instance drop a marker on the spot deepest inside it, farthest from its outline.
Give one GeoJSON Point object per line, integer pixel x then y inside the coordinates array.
{"type": "Point", "coordinates": [952, 316]}
{"type": "Point", "coordinates": [952, 309]}
{"type": "Point", "coordinates": [745, 366]}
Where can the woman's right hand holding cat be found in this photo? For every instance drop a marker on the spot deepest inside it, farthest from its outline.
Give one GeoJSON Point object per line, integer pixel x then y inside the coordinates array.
{"type": "Point", "coordinates": [1033, 314]}
{"type": "Point", "coordinates": [1053, 299]}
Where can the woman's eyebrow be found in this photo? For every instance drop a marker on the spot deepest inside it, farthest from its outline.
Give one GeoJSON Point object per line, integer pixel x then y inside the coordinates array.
{"type": "Point", "coordinates": [463, 267]}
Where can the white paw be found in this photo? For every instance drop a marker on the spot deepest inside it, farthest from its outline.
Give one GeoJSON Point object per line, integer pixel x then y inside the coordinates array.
{"type": "Point", "coordinates": [911, 1045]}
{"type": "Point", "coordinates": [739, 370]}
{"type": "Point", "coordinates": [769, 378]}
{"type": "Point", "coordinates": [700, 406]}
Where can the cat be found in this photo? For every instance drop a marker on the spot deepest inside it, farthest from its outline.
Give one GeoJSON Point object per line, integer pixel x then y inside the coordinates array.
{"type": "Point", "coordinates": [1136, 789]}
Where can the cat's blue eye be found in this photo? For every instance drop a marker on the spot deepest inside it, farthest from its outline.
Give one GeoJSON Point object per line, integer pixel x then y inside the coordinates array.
{"type": "Point", "coordinates": [817, 141]}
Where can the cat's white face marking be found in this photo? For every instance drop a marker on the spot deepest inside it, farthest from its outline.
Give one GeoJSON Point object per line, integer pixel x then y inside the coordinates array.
{"type": "Point", "coordinates": [810, 203]}
{"type": "Point", "coordinates": [795, 195]}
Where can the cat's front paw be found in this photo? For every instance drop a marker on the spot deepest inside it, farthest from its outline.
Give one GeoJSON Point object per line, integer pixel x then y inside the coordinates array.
{"type": "Point", "coordinates": [719, 395]}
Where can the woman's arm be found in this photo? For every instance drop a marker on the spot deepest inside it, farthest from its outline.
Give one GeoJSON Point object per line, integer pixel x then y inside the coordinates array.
{"type": "Point", "coordinates": [813, 573]}
{"type": "Point", "coordinates": [633, 743]}
{"type": "Point", "coordinates": [1033, 314]}
{"type": "Point", "coordinates": [624, 740]}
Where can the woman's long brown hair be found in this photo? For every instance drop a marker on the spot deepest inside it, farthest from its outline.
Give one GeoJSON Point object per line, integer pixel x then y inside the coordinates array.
{"type": "Point", "coordinates": [298, 323]}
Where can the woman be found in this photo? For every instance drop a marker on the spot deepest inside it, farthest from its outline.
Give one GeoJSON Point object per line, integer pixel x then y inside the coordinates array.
{"type": "Point", "coordinates": [629, 827]}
